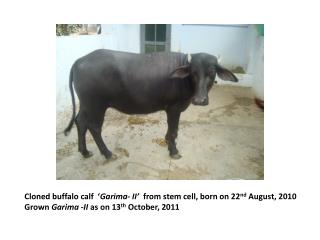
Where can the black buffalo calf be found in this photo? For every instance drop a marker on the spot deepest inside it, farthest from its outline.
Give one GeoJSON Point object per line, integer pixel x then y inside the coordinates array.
{"type": "Point", "coordinates": [139, 84]}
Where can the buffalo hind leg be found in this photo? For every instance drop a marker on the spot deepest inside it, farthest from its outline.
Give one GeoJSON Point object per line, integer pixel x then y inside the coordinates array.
{"type": "Point", "coordinates": [81, 124]}
{"type": "Point", "coordinates": [95, 127]}
{"type": "Point", "coordinates": [173, 117]}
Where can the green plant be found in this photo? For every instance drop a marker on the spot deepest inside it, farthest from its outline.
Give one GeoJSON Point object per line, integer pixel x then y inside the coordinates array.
{"type": "Point", "coordinates": [67, 29]}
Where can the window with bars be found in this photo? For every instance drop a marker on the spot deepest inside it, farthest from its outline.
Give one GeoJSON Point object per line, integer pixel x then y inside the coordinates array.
{"type": "Point", "coordinates": [155, 38]}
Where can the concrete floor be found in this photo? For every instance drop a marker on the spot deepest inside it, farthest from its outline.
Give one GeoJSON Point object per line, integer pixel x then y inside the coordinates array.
{"type": "Point", "coordinates": [223, 140]}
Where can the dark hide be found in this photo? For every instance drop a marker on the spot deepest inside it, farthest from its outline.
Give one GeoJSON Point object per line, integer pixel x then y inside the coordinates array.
{"type": "Point", "coordinates": [139, 84]}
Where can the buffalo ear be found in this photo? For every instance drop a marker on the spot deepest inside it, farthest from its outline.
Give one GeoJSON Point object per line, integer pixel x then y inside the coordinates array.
{"type": "Point", "coordinates": [225, 74]}
{"type": "Point", "coordinates": [181, 72]}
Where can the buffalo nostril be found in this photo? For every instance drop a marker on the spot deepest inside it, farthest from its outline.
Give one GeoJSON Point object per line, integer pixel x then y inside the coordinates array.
{"type": "Point", "coordinates": [204, 100]}
{"type": "Point", "coordinates": [200, 101]}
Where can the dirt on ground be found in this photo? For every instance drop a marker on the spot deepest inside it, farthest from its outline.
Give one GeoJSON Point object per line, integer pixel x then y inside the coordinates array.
{"type": "Point", "coordinates": [223, 140]}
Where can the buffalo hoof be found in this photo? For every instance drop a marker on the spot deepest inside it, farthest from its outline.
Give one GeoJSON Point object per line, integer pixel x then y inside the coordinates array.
{"type": "Point", "coordinates": [113, 157]}
{"type": "Point", "coordinates": [175, 156]}
{"type": "Point", "coordinates": [87, 154]}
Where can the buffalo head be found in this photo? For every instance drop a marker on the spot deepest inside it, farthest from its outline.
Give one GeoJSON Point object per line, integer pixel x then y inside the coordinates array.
{"type": "Point", "coordinates": [202, 69]}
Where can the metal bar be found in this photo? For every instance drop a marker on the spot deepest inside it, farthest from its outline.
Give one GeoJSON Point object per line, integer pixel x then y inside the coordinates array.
{"type": "Point", "coordinates": [154, 42]}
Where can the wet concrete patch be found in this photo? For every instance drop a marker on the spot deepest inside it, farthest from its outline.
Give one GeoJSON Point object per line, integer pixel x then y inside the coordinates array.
{"type": "Point", "coordinates": [160, 141]}
{"type": "Point", "coordinates": [136, 120]}
{"type": "Point", "coordinates": [143, 171]}
{"type": "Point", "coordinates": [66, 150]}
{"type": "Point", "coordinates": [244, 101]}
{"type": "Point", "coordinates": [122, 152]}
{"type": "Point", "coordinates": [187, 173]}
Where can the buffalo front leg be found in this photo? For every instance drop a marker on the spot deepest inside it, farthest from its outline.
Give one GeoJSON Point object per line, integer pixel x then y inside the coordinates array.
{"type": "Point", "coordinates": [172, 133]}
